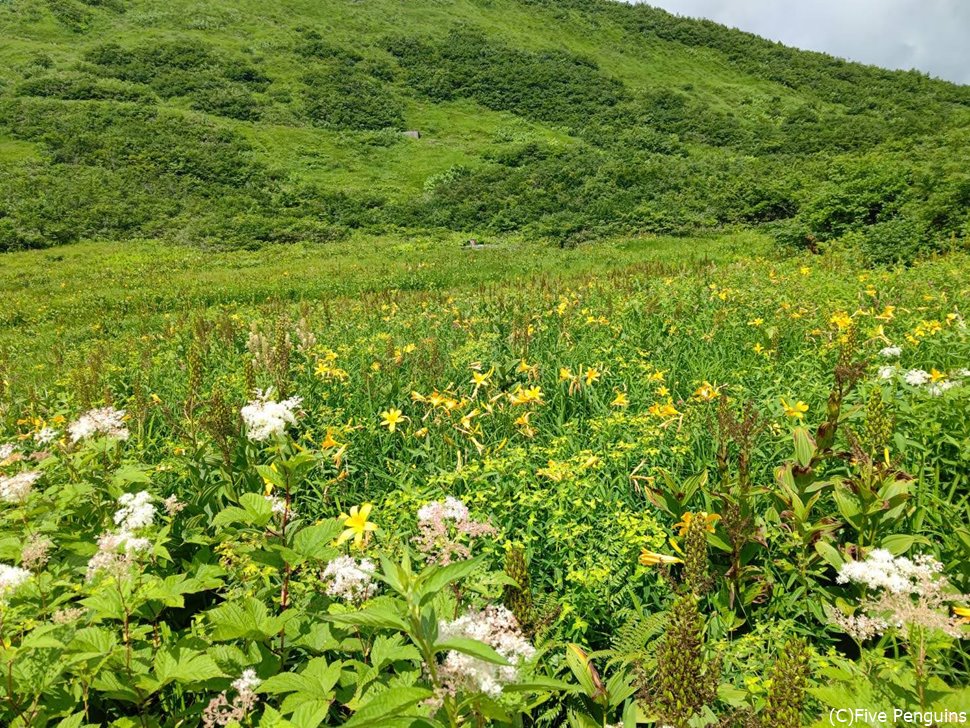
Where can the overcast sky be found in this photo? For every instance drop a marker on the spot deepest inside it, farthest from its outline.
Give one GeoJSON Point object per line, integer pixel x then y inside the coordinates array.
{"type": "Point", "coordinates": [930, 35]}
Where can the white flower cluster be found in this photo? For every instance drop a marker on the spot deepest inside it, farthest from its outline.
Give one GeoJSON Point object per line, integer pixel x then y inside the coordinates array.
{"type": "Point", "coordinates": [45, 436]}
{"type": "Point", "coordinates": [496, 627]}
{"type": "Point", "coordinates": [11, 578]}
{"type": "Point", "coordinates": [887, 372]}
{"type": "Point", "coordinates": [247, 683]}
{"type": "Point", "coordinates": [935, 386]}
{"type": "Point", "coordinates": [916, 377]}
{"type": "Point", "coordinates": [6, 450]}
{"type": "Point", "coordinates": [116, 551]}
{"type": "Point", "coordinates": [349, 579]}
{"type": "Point", "coordinates": [278, 505]}
{"type": "Point", "coordinates": [899, 575]}
{"type": "Point", "coordinates": [106, 421]}
{"type": "Point", "coordinates": [266, 418]}
{"type": "Point", "coordinates": [136, 511]}
{"type": "Point", "coordinates": [452, 508]}
{"type": "Point", "coordinates": [16, 488]}
{"type": "Point", "coordinates": [890, 352]}
{"type": "Point", "coordinates": [901, 592]}
{"type": "Point", "coordinates": [938, 388]}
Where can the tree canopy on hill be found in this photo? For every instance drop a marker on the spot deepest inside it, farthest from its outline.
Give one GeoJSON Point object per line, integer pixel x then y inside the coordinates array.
{"type": "Point", "coordinates": [227, 124]}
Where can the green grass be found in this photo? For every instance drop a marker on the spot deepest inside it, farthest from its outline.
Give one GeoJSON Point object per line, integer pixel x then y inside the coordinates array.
{"type": "Point", "coordinates": [73, 297]}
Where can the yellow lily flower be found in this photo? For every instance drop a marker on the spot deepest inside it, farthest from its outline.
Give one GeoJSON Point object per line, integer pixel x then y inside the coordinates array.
{"type": "Point", "coordinates": [390, 418]}
{"type": "Point", "coordinates": [357, 525]}
{"type": "Point", "coordinates": [796, 410]}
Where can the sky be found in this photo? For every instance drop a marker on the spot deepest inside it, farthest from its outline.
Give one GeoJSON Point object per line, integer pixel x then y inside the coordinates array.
{"type": "Point", "coordinates": [930, 35]}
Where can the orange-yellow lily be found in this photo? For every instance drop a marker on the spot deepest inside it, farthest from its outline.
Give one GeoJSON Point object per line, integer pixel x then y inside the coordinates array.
{"type": "Point", "coordinates": [650, 558]}
{"type": "Point", "coordinates": [685, 520]}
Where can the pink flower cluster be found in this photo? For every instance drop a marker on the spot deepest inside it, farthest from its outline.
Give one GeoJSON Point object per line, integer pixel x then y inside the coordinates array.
{"type": "Point", "coordinates": [446, 531]}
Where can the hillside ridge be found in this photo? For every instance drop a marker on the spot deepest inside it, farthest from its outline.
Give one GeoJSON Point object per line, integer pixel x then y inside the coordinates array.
{"type": "Point", "coordinates": [236, 124]}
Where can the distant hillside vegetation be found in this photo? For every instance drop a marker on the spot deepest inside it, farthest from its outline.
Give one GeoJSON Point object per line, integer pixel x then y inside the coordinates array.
{"type": "Point", "coordinates": [237, 122]}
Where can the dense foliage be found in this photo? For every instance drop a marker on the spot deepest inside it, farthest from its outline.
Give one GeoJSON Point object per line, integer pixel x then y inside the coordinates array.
{"type": "Point", "coordinates": [660, 124]}
{"type": "Point", "coordinates": [672, 494]}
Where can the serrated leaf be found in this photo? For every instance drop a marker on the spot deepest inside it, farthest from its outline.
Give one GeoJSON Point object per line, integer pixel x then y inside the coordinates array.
{"type": "Point", "coordinates": [387, 704]}
{"type": "Point", "coordinates": [177, 664]}
{"type": "Point", "coordinates": [316, 542]}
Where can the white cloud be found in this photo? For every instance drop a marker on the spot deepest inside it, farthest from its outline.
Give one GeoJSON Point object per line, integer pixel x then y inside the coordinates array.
{"type": "Point", "coordinates": [930, 35]}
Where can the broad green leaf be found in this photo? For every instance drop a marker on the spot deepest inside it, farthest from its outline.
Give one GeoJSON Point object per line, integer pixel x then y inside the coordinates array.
{"type": "Point", "coordinates": [177, 664]}
{"type": "Point", "coordinates": [272, 719]}
{"type": "Point", "coordinates": [245, 618]}
{"type": "Point", "coordinates": [316, 542]}
{"type": "Point", "coordinates": [386, 650]}
{"type": "Point", "coordinates": [388, 704]}
{"type": "Point", "coordinates": [435, 578]}
{"type": "Point", "coordinates": [901, 543]}
{"type": "Point", "coordinates": [380, 614]}
{"type": "Point", "coordinates": [804, 446]}
{"type": "Point", "coordinates": [310, 713]}
{"type": "Point", "coordinates": [829, 554]}
{"type": "Point", "coordinates": [473, 648]}
{"type": "Point", "coordinates": [260, 510]}
{"type": "Point", "coordinates": [130, 474]}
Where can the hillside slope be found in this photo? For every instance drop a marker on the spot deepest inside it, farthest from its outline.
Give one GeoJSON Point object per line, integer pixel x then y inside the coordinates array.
{"type": "Point", "coordinates": [237, 123]}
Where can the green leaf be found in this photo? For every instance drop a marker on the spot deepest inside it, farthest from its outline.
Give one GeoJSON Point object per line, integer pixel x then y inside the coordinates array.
{"type": "Point", "coordinates": [901, 543]}
{"type": "Point", "coordinates": [245, 618]}
{"type": "Point", "coordinates": [435, 578]}
{"type": "Point", "coordinates": [578, 662]}
{"type": "Point", "coordinates": [804, 446]}
{"type": "Point", "coordinates": [473, 648]}
{"type": "Point", "coordinates": [230, 514]}
{"type": "Point", "coordinates": [386, 650]}
{"type": "Point", "coordinates": [540, 684]}
{"type": "Point", "coordinates": [387, 704]}
{"type": "Point", "coordinates": [829, 554]}
{"type": "Point", "coordinates": [130, 474]}
{"type": "Point", "coordinates": [316, 542]}
{"type": "Point", "coordinates": [311, 713]}
{"type": "Point", "coordinates": [272, 719]}
{"type": "Point", "coordinates": [271, 475]}
{"type": "Point", "coordinates": [847, 506]}
{"type": "Point", "coordinates": [260, 510]}
{"type": "Point", "coordinates": [177, 664]}
{"type": "Point", "coordinates": [690, 486]}
{"type": "Point", "coordinates": [379, 614]}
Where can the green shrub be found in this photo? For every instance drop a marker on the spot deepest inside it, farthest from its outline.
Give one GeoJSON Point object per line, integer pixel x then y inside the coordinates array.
{"type": "Point", "coordinates": [80, 86]}
{"type": "Point", "coordinates": [337, 97]}
{"type": "Point", "coordinates": [550, 86]}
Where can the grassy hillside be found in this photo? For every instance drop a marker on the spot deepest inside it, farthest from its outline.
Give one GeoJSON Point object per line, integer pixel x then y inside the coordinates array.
{"type": "Point", "coordinates": [238, 123]}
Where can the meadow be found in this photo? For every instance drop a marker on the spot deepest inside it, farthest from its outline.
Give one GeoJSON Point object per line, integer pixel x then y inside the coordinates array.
{"type": "Point", "coordinates": [685, 442]}
{"type": "Point", "coordinates": [660, 481]}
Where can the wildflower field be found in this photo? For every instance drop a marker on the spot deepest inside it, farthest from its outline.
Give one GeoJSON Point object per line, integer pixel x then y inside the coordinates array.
{"type": "Point", "coordinates": [639, 482]}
